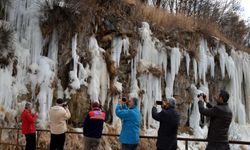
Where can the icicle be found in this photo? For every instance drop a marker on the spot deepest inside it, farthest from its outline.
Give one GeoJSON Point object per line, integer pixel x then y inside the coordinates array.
{"type": "Point", "coordinates": [125, 43]}
{"type": "Point", "coordinates": [116, 50]}
{"type": "Point", "coordinates": [234, 68]}
{"type": "Point", "coordinates": [246, 73]}
{"type": "Point", "coordinates": [175, 61]}
{"type": "Point", "coordinates": [83, 74]}
{"type": "Point", "coordinates": [187, 61]}
{"type": "Point", "coordinates": [74, 81]}
{"type": "Point", "coordinates": [195, 70]}
{"type": "Point", "coordinates": [148, 56]}
{"type": "Point", "coordinates": [6, 87]}
{"type": "Point", "coordinates": [212, 65]}
{"type": "Point", "coordinates": [134, 89]}
{"type": "Point", "coordinates": [202, 64]}
{"type": "Point", "coordinates": [175, 64]}
{"type": "Point", "coordinates": [99, 83]}
{"type": "Point", "coordinates": [53, 46]}
{"type": "Point", "coordinates": [24, 15]}
{"type": "Point", "coordinates": [147, 49]}
{"type": "Point", "coordinates": [23, 56]}
{"type": "Point", "coordinates": [60, 93]}
{"type": "Point", "coordinates": [152, 87]}
{"type": "Point", "coordinates": [194, 120]}
{"type": "Point", "coordinates": [223, 56]}
{"type": "Point", "coordinates": [45, 78]}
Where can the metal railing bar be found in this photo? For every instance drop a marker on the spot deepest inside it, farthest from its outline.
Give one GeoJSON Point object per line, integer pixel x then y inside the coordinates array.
{"type": "Point", "coordinates": [142, 136]}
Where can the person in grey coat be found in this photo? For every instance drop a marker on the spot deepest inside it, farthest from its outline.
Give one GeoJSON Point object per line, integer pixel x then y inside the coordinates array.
{"type": "Point", "coordinates": [169, 121]}
{"type": "Point", "coordinates": [220, 119]}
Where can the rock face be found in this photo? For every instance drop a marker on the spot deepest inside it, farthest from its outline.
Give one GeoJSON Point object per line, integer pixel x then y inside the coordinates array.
{"type": "Point", "coordinates": [102, 51]}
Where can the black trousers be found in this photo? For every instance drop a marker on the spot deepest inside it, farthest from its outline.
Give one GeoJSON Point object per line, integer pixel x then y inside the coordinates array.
{"type": "Point", "coordinates": [129, 146]}
{"type": "Point", "coordinates": [57, 141]}
{"type": "Point", "coordinates": [172, 148]}
{"type": "Point", "coordinates": [30, 141]}
{"type": "Point", "coordinates": [217, 146]}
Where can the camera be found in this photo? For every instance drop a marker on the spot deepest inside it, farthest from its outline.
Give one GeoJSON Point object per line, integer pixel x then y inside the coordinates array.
{"type": "Point", "coordinates": [159, 102]}
{"type": "Point", "coordinates": [202, 94]}
{"type": "Point", "coordinates": [64, 105]}
{"type": "Point", "coordinates": [124, 99]}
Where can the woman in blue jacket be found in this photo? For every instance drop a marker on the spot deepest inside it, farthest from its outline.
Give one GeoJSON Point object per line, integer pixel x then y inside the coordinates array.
{"type": "Point", "coordinates": [130, 116]}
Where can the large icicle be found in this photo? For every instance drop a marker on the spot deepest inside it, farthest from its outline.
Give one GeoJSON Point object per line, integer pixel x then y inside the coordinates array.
{"type": "Point", "coordinates": [233, 66]}
{"type": "Point", "coordinates": [24, 15]}
{"type": "Point", "coordinates": [149, 56]}
{"type": "Point", "coordinates": [75, 83]}
{"type": "Point", "coordinates": [6, 89]}
{"type": "Point", "coordinates": [194, 121]}
{"type": "Point", "coordinates": [175, 64]}
{"type": "Point", "coordinates": [45, 78]}
{"type": "Point", "coordinates": [99, 83]}
{"type": "Point", "coordinates": [187, 61]}
{"type": "Point", "coordinates": [203, 60]}
{"type": "Point", "coordinates": [119, 44]}
{"type": "Point", "coordinates": [53, 46]}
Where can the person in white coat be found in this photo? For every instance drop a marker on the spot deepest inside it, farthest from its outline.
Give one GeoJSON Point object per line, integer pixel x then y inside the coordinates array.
{"type": "Point", "coordinates": [58, 115]}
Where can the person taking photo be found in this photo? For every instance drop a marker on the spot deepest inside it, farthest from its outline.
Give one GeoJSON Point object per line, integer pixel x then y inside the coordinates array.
{"type": "Point", "coordinates": [29, 126]}
{"type": "Point", "coordinates": [128, 112]}
{"type": "Point", "coordinates": [220, 119]}
{"type": "Point", "coordinates": [169, 121]}
{"type": "Point", "coordinates": [58, 115]}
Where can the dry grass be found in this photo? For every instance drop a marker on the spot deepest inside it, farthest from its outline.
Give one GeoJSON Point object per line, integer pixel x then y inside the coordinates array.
{"type": "Point", "coordinates": [169, 21]}
{"type": "Point", "coordinates": [163, 19]}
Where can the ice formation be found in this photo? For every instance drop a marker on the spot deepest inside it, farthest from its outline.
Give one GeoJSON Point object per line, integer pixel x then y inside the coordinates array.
{"type": "Point", "coordinates": [40, 72]}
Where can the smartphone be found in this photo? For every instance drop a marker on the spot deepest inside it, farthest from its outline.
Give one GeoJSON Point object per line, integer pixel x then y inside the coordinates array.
{"type": "Point", "coordinates": [159, 102]}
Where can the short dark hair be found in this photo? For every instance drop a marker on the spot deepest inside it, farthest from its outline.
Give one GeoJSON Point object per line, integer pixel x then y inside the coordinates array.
{"type": "Point", "coordinates": [59, 101]}
{"type": "Point", "coordinates": [28, 105]}
{"type": "Point", "coordinates": [224, 94]}
{"type": "Point", "coordinates": [95, 104]}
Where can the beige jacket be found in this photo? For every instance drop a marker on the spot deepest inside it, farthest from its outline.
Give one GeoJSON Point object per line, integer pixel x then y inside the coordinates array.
{"type": "Point", "coordinates": [57, 119]}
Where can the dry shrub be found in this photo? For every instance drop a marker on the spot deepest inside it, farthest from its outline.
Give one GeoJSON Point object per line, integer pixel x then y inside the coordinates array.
{"type": "Point", "coordinates": [155, 71]}
{"type": "Point", "coordinates": [65, 17]}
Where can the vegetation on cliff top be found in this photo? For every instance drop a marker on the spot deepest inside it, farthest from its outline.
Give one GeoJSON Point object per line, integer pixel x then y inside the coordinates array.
{"type": "Point", "coordinates": [182, 21]}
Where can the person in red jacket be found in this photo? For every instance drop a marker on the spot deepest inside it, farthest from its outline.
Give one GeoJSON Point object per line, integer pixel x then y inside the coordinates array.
{"type": "Point", "coordinates": [29, 127]}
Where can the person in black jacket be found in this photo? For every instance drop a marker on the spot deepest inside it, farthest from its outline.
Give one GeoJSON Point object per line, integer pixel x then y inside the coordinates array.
{"type": "Point", "coordinates": [220, 119]}
{"type": "Point", "coordinates": [93, 126]}
{"type": "Point", "coordinates": [169, 120]}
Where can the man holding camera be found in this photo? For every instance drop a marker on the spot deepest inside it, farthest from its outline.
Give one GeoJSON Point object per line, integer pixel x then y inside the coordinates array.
{"type": "Point", "coordinates": [128, 112]}
{"type": "Point", "coordinates": [169, 120]}
{"type": "Point", "coordinates": [220, 119]}
{"type": "Point", "coordinates": [58, 115]}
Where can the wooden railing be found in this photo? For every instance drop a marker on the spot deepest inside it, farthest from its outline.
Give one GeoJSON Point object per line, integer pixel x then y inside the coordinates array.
{"type": "Point", "coordinates": [186, 140]}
